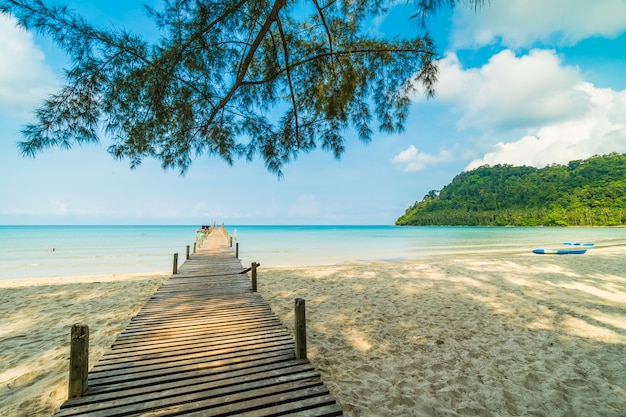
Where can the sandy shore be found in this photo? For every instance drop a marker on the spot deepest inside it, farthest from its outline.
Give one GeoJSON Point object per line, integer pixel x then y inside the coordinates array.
{"type": "Point", "coordinates": [513, 335]}
{"type": "Point", "coordinates": [482, 335]}
{"type": "Point", "coordinates": [35, 320]}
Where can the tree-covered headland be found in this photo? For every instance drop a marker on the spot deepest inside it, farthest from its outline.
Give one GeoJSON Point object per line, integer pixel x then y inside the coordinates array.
{"type": "Point", "coordinates": [590, 192]}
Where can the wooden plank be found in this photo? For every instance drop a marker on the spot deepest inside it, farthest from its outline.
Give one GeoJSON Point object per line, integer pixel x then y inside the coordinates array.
{"type": "Point", "coordinates": [218, 369]}
{"type": "Point", "coordinates": [194, 321]}
{"type": "Point", "coordinates": [182, 363]}
{"type": "Point", "coordinates": [128, 352]}
{"type": "Point", "coordinates": [190, 335]}
{"type": "Point", "coordinates": [196, 331]}
{"type": "Point", "coordinates": [249, 371]}
{"type": "Point", "coordinates": [321, 406]}
{"type": "Point", "coordinates": [248, 401]}
{"type": "Point", "coordinates": [139, 362]}
{"type": "Point", "coordinates": [198, 392]}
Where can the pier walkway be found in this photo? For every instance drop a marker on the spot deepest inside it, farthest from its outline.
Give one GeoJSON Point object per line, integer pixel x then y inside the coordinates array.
{"type": "Point", "coordinates": [204, 345]}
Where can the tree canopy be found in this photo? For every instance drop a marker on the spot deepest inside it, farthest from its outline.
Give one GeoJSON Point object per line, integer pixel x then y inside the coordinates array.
{"type": "Point", "coordinates": [589, 192]}
{"type": "Point", "coordinates": [237, 78]}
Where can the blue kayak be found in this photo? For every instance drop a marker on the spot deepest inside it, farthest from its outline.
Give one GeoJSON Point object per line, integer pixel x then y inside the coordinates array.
{"type": "Point", "coordinates": [560, 251]}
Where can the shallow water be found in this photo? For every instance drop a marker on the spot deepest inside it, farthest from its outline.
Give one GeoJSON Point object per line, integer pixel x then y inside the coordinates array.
{"type": "Point", "coordinates": [308, 245]}
{"type": "Point", "coordinates": [58, 251]}
{"type": "Point", "coordinates": [27, 251]}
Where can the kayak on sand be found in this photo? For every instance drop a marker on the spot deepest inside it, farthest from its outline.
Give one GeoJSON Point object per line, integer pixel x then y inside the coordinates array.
{"type": "Point", "coordinates": [560, 251]}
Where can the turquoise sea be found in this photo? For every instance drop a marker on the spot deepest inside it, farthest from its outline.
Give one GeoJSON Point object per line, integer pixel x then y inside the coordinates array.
{"type": "Point", "coordinates": [26, 251]}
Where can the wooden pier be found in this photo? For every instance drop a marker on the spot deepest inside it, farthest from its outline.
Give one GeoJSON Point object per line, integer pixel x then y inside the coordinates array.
{"type": "Point", "coordinates": [204, 345]}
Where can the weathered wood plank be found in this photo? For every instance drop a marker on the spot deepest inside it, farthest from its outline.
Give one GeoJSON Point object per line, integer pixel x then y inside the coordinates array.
{"type": "Point", "coordinates": [197, 392]}
{"type": "Point", "coordinates": [189, 376]}
{"type": "Point", "coordinates": [139, 362]}
{"type": "Point", "coordinates": [181, 363]}
{"type": "Point", "coordinates": [249, 401]}
{"type": "Point", "coordinates": [249, 371]}
{"type": "Point", "coordinates": [138, 342]}
{"type": "Point", "coordinates": [129, 352]}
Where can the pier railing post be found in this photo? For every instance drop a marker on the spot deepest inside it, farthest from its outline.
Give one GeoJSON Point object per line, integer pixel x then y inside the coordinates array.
{"type": "Point", "coordinates": [79, 360]}
{"type": "Point", "coordinates": [300, 329]}
{"type": "Point", "coordinates": [253, 276]}
{"type": "Point", "coordinates": [187, 252]}
{"type": "Point", "coordinates": [194, 247]}
{"type": "Point", "coordinates": [237, 250]}
{"type": "Point", "coordinates": [230, 241]}
{"type": "Point", "coordinates": [175, 266]}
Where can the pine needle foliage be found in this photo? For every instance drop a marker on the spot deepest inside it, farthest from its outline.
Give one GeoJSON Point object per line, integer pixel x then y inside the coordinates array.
{"type": "Point", "coordinates": [237, 78]}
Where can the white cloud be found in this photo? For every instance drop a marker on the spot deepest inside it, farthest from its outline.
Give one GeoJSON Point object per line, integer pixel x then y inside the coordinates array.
{"type": "Point", "coordinates": [306, 206]}
{"type": "Point", "coordinates": [601, 130]}
{"type": "Point", "coordinates": [25, 80]}
{"type": "Point", "coordinates": [412, 159]}
{"type": "Point", "coordinates": [511, 92]}
{"type": "Point", "coordinates": [521, 23]}
{"type": "Point", "coordinates": [55, 208]}
{"type": "Point", "coordinates": [531, 110]}
{"type": "Point", "coordinates": [59, 208]}
{"type": "Point", "coordinates": [200, 209]}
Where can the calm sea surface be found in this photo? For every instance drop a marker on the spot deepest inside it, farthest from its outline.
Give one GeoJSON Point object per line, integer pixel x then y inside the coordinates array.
{"type": "Point", "coordinates": [26, 251]}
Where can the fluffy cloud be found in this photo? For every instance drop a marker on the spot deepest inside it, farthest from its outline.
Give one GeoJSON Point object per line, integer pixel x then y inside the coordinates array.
{"type": "Point", "coordinates": [306, 206]}
{"type": "Point", "coordinates": [601, 130]}
{"type": "Point", "coordinates": [522, 23]}
{"type": "Point", "coordinates": [25, 80]}
{"type": "Point", "coordinates": [561, 116]}
{"type": "Point", "coordinates": [412, 159]}
{"type": "Point", "coordinates": [511, 92]}
{"type": "Point", "coordinates": [54, 208]}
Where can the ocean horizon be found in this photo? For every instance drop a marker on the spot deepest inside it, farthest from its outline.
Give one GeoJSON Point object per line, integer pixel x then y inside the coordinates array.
{"type": "Point", "coordinates": [78, 250]}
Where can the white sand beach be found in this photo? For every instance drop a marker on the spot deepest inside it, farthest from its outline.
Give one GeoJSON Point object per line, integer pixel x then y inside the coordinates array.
{"type": "Point", "coordinates": [482, 335]}
{"type": "Point", "coordinates": [478, 335]}
{"type": "Point", "coordinates": [36, 316]}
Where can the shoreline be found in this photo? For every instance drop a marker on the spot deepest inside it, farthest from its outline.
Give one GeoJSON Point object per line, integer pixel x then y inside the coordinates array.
{"type": "Point", "coordinates": [78, 279]}
{"type": "Point", "coordinates": [487, 334]}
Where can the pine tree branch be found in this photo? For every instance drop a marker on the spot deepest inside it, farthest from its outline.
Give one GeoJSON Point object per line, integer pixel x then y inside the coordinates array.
{"type": "Point", "coordinates": [325, 55]}
{"type": "Point", "coordinates": [291, 89]}
{"type": "Point", "coordinates": [320, 12]}
{"type": "Point", "coordinates": [271, 18]}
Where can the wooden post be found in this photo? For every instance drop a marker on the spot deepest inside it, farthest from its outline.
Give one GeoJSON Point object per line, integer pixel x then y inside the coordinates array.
{"type": "Point", "coordinates": [237, 250]}
{"type": "Point", "coordinates": [187, 252]}
{"type": "Point", "coordinates": [230, 241]}
{"type": "Point", "coordinates": [253, 276]}
{"type": "Point", "coordinates": [194, 247]}
{"type": "Point", "coordinates": [79, 360]}
{"type": "Point", "coordinates": [175, 267]}
{"type": "Point", "coordinates": [300, 329]}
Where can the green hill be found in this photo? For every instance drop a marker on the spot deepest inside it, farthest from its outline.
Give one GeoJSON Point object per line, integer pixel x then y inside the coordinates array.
{"type": "Point", "coordinates": [590, 192]}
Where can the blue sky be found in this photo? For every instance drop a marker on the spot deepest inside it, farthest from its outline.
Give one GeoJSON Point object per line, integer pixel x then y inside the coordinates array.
{"type": "Point", "coordinates": [521, 82]}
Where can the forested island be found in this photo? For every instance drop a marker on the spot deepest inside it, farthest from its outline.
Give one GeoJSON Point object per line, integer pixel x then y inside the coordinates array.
{"type": "Point", "coordinates": [590, 192]}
